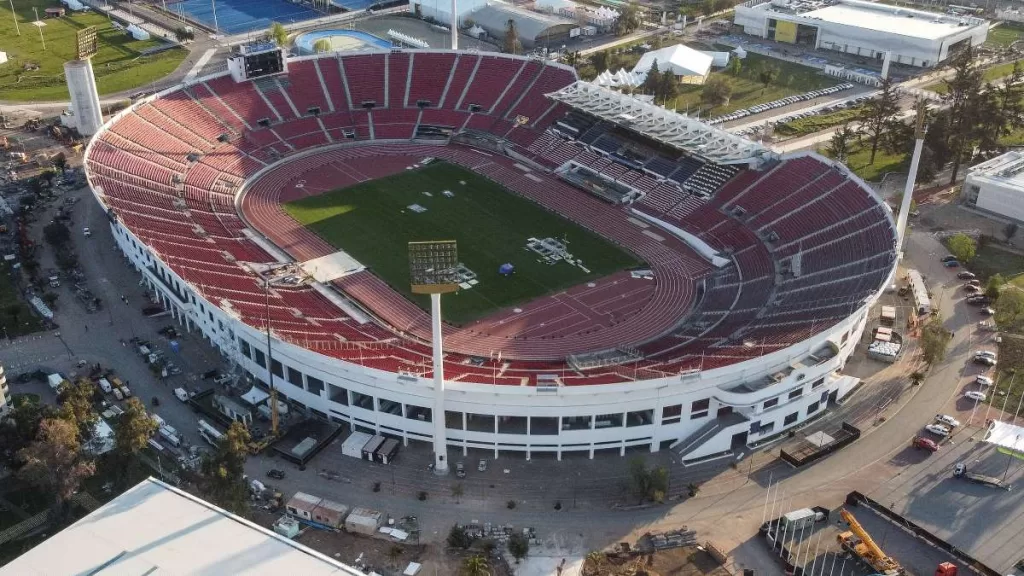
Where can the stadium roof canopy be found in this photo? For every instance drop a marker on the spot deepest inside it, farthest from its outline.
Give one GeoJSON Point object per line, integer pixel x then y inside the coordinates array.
{"type": "Point", "coordinates": [154, 528]}
{"type": "Point", "coordinates": [672, 128]}
{"type": "Point", "coordinates": [533, 27]}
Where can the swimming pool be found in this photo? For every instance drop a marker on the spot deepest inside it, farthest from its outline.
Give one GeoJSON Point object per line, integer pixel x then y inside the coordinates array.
{"type": "Point", "coordinates": [340, 40]}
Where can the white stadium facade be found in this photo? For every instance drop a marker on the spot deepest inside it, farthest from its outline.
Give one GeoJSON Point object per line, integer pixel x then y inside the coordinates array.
{"type": "Point", "coordinates": [779, 258]}
{"type": "Point", "coordinates": [865, 29]}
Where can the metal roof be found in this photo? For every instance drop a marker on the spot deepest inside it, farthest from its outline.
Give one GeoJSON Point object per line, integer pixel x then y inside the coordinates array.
{"type": "Point", "coordinates": [672, 128]}
{"type": "Point", "coordinates": [154, 528]}
{"type": "Point", "coordinates": [530, 25]}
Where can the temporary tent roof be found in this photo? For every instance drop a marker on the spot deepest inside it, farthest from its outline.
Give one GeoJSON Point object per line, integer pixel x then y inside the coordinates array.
{"type": "Point", "coordinates": [255, 396]}
{"type": "Point", "coordinates": [681, 60]}
{"type": "Point", "coordinates": [533, 27]}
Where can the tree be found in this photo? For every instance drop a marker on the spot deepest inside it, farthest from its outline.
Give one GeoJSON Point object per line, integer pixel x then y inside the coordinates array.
{"type": "Point", "coordinates": [593, 561]}
{"type": "Point", "coordinates": [1010, 230]}
{"type": "Point", "coordinates": [134, 429]}
{"type": "Point", "coordinates": [394, 553]}
{"type": "Point", "coordinates": [511, 43]}
{"type": "Point", "coordinates": [1010, 95]}
{"type": "Point", "coordinates": [21, 426]}
{"type": "Point", "coordinates": [278, 34]}
{"type": "Point", "coordinates": [917, 377]}
{"type": "Point", "coordinates": [840, 143]}
{"type": "Point", "coordinates": [476, 566]}
{"type": "Point", "coordinates": [735, 66]}
{"type": "Point", "coordinates": [458, 538]}
{"type": "Point", "coordinates": [716, 92]}
{"type": "Point", "coordinates": [647, 483]}
{"type": "Point", "coordinates": [13, 312]}
{"type": "Point", "coordinates": [183, 35]}
{"type": "Point", "coordinates": [57, 234]}
{"type": "Point", "coordinates": [53, 462]}
{"type": "Point", "coordinates": [975, 119]}
{"type": "Point", "coordinates": [934, 340]}
{"type": "Point", "coordinates": [628, 20]}
{"type": "Point", "coordinates": [322, 45]}
{"type": "Point", "coordinates": [766, 74]}
{"type": "Point", "coordinates": [518, 546]}
{"type": "Point", "coordinates": [880, 115]}
{"type": "Point", "coordinates": [1010, 308]}
{"type": "Point", "coordinates": [653, 80]}
{"type": "Point", "coordinates": [600, 60]}
{"type": "Point", "coordinates": [668, 86]}
{"type": "Point", "coordinates": [77, 408]}
{"type": "Point", "coordinates": [963, 247]}
{"type": "Point", "coordinates": [457, 492]}
{"type": "Point", "coordinates": [60, 162]}
{"type": "Point", "coordinates": [50, 298]}
{"type": "Point", "coordinates": [994, 286]}
{"type": "Point", "coordinates": [223, 470]}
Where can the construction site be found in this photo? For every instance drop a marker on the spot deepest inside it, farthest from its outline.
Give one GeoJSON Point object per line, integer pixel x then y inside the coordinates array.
{"type": "Point", "coordinates": [862, 538]}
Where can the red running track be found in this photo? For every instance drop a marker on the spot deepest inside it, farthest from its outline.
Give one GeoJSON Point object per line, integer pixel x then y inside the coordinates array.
{"type": "Point", "coordinates": [615, 311]}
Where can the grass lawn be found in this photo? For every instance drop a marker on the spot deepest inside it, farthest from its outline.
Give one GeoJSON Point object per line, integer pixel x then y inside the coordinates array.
{"type": "Point", "coordinates": [991, 74]}
{"type": "Point", "coordinates": [372, 222]}
{"type": "Point", "coordinates": [989, 260]}
{"type": "Point", "coordinates": [16, 317]}
{"type": "Point", "coordinates": [119, 64]}
{"type": "Point", "coordinates": [818, 122]}
{"type": "Point", "coordinates": [1005, 34]}
{"type": "Point", "coordinates": [858, 161]}
{"type": "Point", "coordinates": [1009, 387]}
{"type": "Point", "coordinates": [747, 91]}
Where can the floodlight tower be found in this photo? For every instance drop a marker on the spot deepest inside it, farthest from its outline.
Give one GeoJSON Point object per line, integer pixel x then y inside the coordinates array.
{"type": "Point", "coordinates": [432, 271]}
{"type": "Point", "coordinates": [86, 114]}
{"type": "Point", "coordinates": [908, 190]}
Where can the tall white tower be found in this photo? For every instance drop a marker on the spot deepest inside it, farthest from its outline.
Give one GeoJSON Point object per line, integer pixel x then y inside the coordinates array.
{"type": "Point", "coordinates": [908, 190]}
{"type": "Point", "coordinates": [455, 25]}
{"type": "Point", "coordinates": [87, 116]}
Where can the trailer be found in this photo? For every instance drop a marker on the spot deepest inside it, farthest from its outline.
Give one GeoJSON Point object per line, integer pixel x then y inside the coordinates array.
{"type": "Point", "coordinates": [353, 445]}
{"type": "Point", "coordinates": [387, 452]}
{"type": "Point", "coordinates": [960, 471]}
{"type": "Point", "coordinates": [371, 447]}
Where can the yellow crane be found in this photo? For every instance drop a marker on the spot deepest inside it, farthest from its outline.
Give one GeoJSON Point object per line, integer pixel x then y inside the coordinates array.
{"type": "Point", "coordinates": [859, 542]}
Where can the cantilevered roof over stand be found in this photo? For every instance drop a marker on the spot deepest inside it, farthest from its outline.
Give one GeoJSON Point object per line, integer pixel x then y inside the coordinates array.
{"type": "Point", "coordinates": [689, 135]}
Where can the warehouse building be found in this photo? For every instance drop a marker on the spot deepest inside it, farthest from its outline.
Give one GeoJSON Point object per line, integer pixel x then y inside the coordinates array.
{"type": "Point", "coordinates": [996, 186]}
{"type": "Point", "coordinates": [866, 29]}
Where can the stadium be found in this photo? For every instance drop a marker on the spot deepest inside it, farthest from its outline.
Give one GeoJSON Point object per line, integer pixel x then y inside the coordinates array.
{"type": "Point", "coordinates": [632, 279]}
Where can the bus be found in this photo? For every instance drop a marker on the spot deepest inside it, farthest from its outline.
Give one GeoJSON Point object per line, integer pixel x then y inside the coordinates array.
{"type": "Point", "coordinates": [209, 433]}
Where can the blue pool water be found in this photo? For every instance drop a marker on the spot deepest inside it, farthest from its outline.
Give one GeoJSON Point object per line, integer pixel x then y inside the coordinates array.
{"type": "Point", "coordinates": [240, 16]}
{"type": "Point", "coordinates": [304, 42]}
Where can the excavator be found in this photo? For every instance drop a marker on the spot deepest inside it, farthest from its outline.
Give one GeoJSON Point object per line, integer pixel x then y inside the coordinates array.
{"type": "Point", "coordinates": [858, 542]}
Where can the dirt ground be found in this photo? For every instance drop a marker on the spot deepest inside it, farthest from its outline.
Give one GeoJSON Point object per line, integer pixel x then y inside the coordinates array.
{"type": "Point", "coordinates": [684, 561]}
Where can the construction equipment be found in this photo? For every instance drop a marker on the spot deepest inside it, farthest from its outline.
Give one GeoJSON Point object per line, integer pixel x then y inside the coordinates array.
{"type": "Point", "coordinates": [859, 543]}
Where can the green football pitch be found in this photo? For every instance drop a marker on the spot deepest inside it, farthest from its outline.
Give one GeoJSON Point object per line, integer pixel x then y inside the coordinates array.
{"type": "Point", "coordinates": [373, 222]}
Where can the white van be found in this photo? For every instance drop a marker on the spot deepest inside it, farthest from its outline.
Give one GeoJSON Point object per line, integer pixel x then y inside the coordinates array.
{"type": "Point", "coordinates": [181, 394]}
{"type": "Point", "coordinates": [105, 386]}
{"type": "Point", "coordinates": [117, 394]}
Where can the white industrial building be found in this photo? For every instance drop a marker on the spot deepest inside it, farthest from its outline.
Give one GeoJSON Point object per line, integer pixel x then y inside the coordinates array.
{"type": "Point", "coordinates": [492, 16]}
{"type": "Point", "coordinates": [866, 29]}
{"type": "Point", "coordinates": [690, 66]}
{"type": "Point", "coordinates": [997, 186]}
{"type": "Point", "coordinates": [154, 528]}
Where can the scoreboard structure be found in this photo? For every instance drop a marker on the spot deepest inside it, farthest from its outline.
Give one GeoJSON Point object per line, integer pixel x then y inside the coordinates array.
{"type": "Point", "coordinates": [257, 60]}
{"type": "Point", "coordinates": [85, 43]}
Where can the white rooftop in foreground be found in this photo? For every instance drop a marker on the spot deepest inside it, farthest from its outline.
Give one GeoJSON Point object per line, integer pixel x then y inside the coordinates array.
{"type": "Point", "coordinates": [154, 528]}
{"type": "Point", "coordinates": [912, 23]}
{"type": "Point", "coordinates": [1007, 167]}
{"type": "Point", "coordinates": [1006, 435]}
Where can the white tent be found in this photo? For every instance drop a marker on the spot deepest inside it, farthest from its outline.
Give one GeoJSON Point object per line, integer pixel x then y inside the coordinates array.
{"type": "Point", "coordinates": [3, 57]}
{"type": "Point", "coordinates": [1006, 435]}
{"type": "Point", "coordinates": [255, 396]}
{"type": "Point", "coordinates": [691, 66]}
{"type": "Point", "coordinates": [138, 33]}
{"type": "Point", "coordinates": [740, 52]}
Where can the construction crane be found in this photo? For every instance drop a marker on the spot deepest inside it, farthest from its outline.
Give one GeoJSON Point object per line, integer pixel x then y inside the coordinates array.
{"type": "Point", "coordinates": [860, 544]}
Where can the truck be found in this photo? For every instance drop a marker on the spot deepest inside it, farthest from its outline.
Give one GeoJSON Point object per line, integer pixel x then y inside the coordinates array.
{"type": "Point", "coordinates": [799, 519]}
{"type": "Point", "coordinates": [858, 542]}
{"type": "Point", "coordinates": [960, 471]}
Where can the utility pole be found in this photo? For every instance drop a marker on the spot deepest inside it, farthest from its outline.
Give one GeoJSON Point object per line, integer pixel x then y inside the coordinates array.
{"type": "Point", "coordinates": [14, 15]}
{"type": "Point", "coordinates": [36, 10]}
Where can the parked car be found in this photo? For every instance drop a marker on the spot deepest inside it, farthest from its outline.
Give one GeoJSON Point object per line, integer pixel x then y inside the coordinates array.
{"type": "Point", "coordinates": [460, 470]}
{"type": "Point", "coordinates": [987, 353]}
{"type": "Point", "coordinates": [975, 395]}
{"type": "Point", "coordinates": [937, 429]}
{"type": "Point", "coordinates": [947, 420]}
{"type": "Point", "coordinates": [988, 311]}
{"type": "Point", "coordinates": [86, 232]}
{"type": "Point", "coordinates": [971, 288]}
{"type": "Point", "coordinates": [482, 466]}
{"type": "Point", "coordinates": [965, 275]}
{"type": "Point", "coordinates": [983, 380]}
{"type": "Point", "coordinates": [985, 360]}
{"type": "Point", "coordinates": [974, 283]}
{"type": "Point", "coordinates": [925, 443]}
{"type": "Point", "coordinates": [275, 474]}
{"type": "Point", "coordinates": [951, 264]}
{"type": "Point", "coordinates": [949, 258]}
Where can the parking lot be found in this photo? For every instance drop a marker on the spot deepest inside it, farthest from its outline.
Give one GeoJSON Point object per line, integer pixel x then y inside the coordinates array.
{"type": "Point", "coordinates": [983, 520]}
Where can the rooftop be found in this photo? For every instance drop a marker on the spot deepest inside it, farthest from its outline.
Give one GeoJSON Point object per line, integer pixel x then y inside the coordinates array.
{"type": "Point", "coordinates": [156, 528]}
{"type": "Point", "coordinates": [1007, 168]}
{"type": "Point", "coordinates": [900, 21]}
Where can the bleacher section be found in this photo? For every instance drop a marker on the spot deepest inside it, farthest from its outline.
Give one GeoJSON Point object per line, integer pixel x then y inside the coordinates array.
{"type": "Point", "coordinates": [807, 243]}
